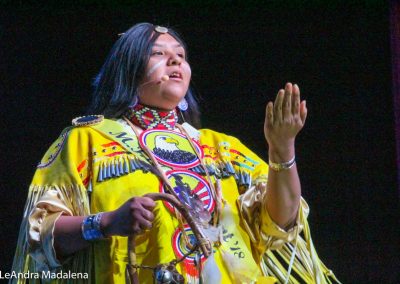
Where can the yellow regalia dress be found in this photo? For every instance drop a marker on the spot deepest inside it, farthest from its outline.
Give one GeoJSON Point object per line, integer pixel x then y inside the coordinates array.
{"type": "Point", "coordinates": [98, 167]}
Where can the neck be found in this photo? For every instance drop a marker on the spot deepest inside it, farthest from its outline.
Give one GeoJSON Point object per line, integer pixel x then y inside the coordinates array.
{"type": "Point", "coordinates": [155, 108]}
{"type": "Point", "coordinates": [148, 117]}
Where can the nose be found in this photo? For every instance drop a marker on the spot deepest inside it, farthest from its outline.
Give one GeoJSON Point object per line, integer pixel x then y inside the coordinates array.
{"type": "Point", "coordinates": [175, 60]}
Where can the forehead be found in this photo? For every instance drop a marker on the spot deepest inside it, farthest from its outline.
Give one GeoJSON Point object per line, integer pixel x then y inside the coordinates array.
{"type": "Point", "coordinates": [166, 40]}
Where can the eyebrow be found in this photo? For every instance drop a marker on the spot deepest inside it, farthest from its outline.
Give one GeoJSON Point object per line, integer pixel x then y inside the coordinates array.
{"type": "Point", "coordinates": [164, 45]}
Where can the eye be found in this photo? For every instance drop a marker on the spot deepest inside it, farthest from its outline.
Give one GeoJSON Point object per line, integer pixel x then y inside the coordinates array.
{"type": "Point", "coordinates": [181, 55]}
{"type": "Point", "coordinates": [157, 52]}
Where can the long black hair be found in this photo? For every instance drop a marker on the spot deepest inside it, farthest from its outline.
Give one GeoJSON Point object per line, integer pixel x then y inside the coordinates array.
{"type": "Point", "coordinates": [117, 83]}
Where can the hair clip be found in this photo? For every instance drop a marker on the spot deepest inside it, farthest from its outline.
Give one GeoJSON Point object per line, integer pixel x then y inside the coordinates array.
{"type": "Point", "coordinates": [161, 30]}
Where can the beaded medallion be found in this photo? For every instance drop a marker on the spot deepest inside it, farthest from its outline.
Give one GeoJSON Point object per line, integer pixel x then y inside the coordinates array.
{"type": "Point", "coordinates": [182, 179]}
{"type": "Point", "coordinates": [170, 148]}
{"type": "Point", "coordinates": [180, 248]}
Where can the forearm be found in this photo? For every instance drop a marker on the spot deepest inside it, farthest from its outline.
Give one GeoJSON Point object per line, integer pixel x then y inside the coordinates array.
{"type": "Point", "coordinates": [134, 216]}
{"type": "Point", "coordinates": [284, 190]}
{"type": "Point", "coordinates": [283, 121]}
{"type": "Point", "coordinates": [68, 237]}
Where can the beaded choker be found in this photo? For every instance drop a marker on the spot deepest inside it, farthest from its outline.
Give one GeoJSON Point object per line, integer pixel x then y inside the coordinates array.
{"type": "Point", "coordinates": [148, 118]}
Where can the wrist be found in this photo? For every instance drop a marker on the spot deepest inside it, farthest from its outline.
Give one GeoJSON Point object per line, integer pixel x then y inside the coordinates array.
{"type": "Point", "coordinates": [277, 167]}
{"type": "Point", "coordinates": [105, 223]}
{"type": "Point", "coordinates": [91, 227]}
{"type": "Point", "coordinates": [281, 154]}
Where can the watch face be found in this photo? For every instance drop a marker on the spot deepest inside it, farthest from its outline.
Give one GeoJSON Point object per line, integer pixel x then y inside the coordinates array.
{"type": "Point", "coordinates": [171, 149]}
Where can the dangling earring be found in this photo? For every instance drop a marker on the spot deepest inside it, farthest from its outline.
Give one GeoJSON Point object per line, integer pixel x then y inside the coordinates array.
{"type": "Point", "coordinates": [183, 105]}
{"type": "Point", "coordinates": [134, 102]}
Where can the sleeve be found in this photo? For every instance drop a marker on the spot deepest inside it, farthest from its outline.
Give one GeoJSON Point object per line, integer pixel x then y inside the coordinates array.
{"type": "Point", "coordinates": [263, 231]}
{"type": "Point", "coordinates": [41, 226]}
{"type": "Point", "coordinates": [59, 187]}
{"type": "Point", "coordinates": [267, 237]}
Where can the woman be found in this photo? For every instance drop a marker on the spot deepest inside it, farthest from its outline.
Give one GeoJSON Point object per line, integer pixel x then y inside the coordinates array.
{"type": "Point", "coordinates": [87, 194]}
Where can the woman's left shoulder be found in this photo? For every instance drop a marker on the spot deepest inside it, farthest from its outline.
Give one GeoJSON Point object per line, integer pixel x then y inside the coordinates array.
{"type": "Point", "coordinates": [215, 137]}
{"type": "Point", "coordinates": [235, 157]}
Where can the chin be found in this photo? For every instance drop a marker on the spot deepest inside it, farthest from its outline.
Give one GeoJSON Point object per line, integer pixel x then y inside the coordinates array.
{"type": "Point", "coordinates": [167, 104]}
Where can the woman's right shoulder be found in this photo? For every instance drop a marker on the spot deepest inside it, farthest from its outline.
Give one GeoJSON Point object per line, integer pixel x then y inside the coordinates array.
{"type": "Point", "coordinates": [92, 125]}
{"type": "Point", "coordinates": [85, 124]}
{"type": "Point", "coordinates": [78, 146]}
{"type": "Point", "coordinates": [80, 137]}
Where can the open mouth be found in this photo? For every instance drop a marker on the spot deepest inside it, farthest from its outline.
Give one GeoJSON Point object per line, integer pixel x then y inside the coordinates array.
{"type": "Point", "coordinates": [175, 75]}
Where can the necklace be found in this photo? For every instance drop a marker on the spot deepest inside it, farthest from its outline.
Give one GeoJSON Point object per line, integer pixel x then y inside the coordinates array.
{"type": "Point", "coordinates": [148, 118]}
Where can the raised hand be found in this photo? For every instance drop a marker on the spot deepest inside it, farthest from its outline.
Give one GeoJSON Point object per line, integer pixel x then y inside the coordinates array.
{"type": "Point", "coordinates": [283, 121]}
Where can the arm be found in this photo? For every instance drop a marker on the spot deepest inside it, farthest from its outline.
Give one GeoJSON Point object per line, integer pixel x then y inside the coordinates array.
{"type": "Point", "coordinates": [132, 217]}
{"type": "Point", "coordinates": [284, 119]}
{"type": "Point", "coordinates": [58, 201]}
{"type": "Point", "coordinates": [68, 238]}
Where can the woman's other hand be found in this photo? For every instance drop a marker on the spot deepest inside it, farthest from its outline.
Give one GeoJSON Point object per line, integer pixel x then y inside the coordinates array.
{"type": "Point", "coordinates": [284, 119]}
{"type": "Point", "coordinates": [133, 217]}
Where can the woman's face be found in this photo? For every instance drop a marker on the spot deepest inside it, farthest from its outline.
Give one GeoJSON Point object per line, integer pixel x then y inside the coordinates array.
{"type": "Point", "coordinates": [167, 58]}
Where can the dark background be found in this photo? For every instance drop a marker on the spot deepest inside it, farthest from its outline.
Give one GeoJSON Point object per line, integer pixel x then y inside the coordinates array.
{"type": "Point", "coordinates": [241, 54]}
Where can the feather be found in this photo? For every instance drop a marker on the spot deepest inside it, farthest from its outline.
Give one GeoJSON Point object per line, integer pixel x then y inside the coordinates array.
{"type": "Point", "coordinates": [211, 273]}
{"type": "Point", "coordinates": [212, 233]}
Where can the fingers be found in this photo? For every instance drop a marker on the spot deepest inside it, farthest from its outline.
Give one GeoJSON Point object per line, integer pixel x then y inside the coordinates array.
{"type": "Point", "coordinates": [147, 203]}
{"type": "Point", "coordinates": [303, 112]}
{"type": "Point", "coordinates": [296, 100]}
{"type": "Point", "coordinates": [287, 115]}
{"type": "Point", "coordinates": [142, 220]}
{"type": "Point", "coordinates": [269, 115]}
{"type": "Point", "coordinates": [145, 224]}
{"type": "Point", "coordinates": [141, 214]}
{"type": "Point", "coordinates": [286, 105]}
{"type": "Point", "coordinates": [287, 102]}
{"type": "Point", "coordinates": [147, 215]}
{"type": "Point", "coordinates": [139, 228]}
{"type": "Point", "coordinates": [278, 107]}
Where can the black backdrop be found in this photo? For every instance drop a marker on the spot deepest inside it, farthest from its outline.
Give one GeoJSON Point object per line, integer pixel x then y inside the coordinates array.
{"type": "Point", "coordinates": [240, 54]}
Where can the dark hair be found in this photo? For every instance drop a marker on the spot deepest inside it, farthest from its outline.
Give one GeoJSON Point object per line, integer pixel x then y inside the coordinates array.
{"type": "Point", "coordinates": [117, 83]}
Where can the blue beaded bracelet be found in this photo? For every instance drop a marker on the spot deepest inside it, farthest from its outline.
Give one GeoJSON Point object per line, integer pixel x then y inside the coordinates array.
{"type": "Point", "coordinates": [91, 227]}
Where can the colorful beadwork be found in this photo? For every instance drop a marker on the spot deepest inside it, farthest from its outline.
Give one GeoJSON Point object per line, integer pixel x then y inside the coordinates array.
{"type": "Point", "coordinates": [53, 152]}
{"type": "Point", "coordinates": [148, 118]}
{"type": "Point", "coordinates": [180, 248]}
{"type": "Point", "coordinates": [171, 148]}
{"type": "Point", "coordinates": [197, 184]}
{"type": "Point", "coordinates": [87, 120]}
{"type": "Point", "coordinates": [120, 166]}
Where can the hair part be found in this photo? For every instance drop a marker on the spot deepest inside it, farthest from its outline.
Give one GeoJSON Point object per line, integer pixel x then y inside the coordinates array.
{"type": "Point", "coordinates": [117, 83]}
